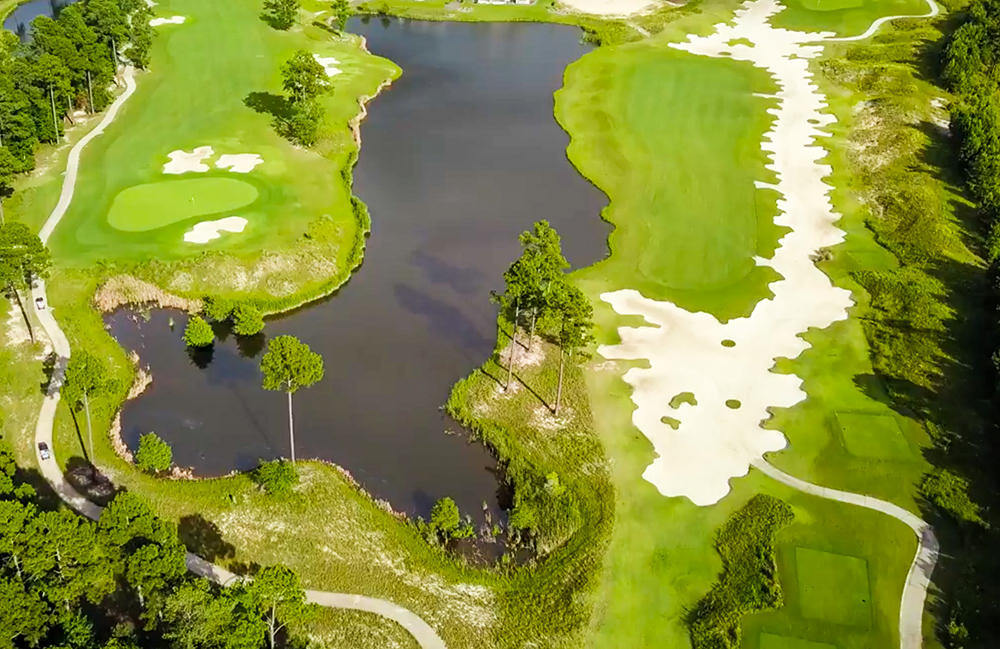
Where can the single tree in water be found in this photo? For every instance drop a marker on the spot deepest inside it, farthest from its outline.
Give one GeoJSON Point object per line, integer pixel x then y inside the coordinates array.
{"type": "Point", "coordinates": [23, 258]}
{"type": "Point", "coordinates": [575, 325]}
{"type": "Point", "coordinates": [86, 377]}
{"type": "Point", "coordinates": [287, 366]}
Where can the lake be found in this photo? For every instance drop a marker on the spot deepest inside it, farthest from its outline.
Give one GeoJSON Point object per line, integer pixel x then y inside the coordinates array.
{"type": "Point", "coordinates": [458, 157]}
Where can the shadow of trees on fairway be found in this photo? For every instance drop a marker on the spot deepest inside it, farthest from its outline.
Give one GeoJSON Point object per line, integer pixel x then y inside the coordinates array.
{"type": "Point", "coordinates": [277, 106]}
{"type": "Point", "coordinates": [204, 538]}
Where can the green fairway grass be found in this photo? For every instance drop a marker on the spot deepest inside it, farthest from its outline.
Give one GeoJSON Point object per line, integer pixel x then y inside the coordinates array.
{"type": "Point", "coordinates": [843, 17]}
{"type": "Point", "coordinates": [768, 641]}
{"type": "Point", "coordinates": [833, 587]}
{"type": "Point", "coordinates": [147, 207]}
{"type": "Point", "coordinates": [212, 82]}
{"type": "Point", "coordinates": [874, 436]}
{"type": "Point", "coordinates": [674, 140]}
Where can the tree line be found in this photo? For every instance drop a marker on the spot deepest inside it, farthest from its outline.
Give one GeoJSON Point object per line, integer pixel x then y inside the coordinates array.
{"type": "Point", "coordinates": [122, 582]}
{"type": "Point", "coordinates": [68, 65]}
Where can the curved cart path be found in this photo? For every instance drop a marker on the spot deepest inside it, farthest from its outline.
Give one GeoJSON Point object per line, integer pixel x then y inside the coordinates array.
{"type": "Point", "coordinates": [933, 11]}
{"type": "Point", "coordinates": [918, 579]}
{"type": "Point", "coordinates": [420, 630]}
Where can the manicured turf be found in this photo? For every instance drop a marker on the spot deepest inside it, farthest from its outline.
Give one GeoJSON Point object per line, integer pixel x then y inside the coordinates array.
{"type": "Point", "coordinates": [674, 140]}
{"type": "Point", "coordinates": [212, 82]}
{"type": "Point", "coordinates": [873, 436]}
{"type": "Point", "coordinates": [833, 587]}
{"type": "Point", "coordinates": [151, 206]}
{"type": "Point", "coordinates": [768, 641]}
{"type": "Point", "coordinates": [843, 17]}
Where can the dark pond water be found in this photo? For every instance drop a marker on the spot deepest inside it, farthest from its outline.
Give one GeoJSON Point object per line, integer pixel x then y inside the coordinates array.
{"type": "Point", "coordinates": [458, 157]}
{"type": "Point", "coordinates": [19, 20]}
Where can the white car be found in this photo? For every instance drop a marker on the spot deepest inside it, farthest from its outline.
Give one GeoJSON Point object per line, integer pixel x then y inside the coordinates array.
{"type": "Point", "coordinates": [43, 451]}
{"type": "Point", "coordinates": [40, 303]}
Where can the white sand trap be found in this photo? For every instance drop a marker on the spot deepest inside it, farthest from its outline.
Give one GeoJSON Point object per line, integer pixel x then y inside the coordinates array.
{"type": "Point", "coordinates": [208, 230]}
{"type": "Point", "coordinates": [328, 63]}
{"type": "Point", "coordinates": [608, 7]}
{"type": "Point", "coordinates": [151, 4]}
{"type": "Point", "coordinates": [240, 163]}
{"type": "Point", "coordinates": [715, 441]}
{"type": "Point", "coordinates": [182, 162]}
{"type": "Point", "coordinates": [173, 20]}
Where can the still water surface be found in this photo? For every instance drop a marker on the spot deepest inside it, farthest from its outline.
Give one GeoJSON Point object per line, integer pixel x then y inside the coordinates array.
{"type": "Point", "coordinates": [19, 20]}
{"type": "Point", "coordinates": [459, 156]}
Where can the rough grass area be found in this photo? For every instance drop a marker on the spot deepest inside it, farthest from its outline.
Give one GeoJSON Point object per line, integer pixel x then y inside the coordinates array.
{"type": "Point", "coordinates": [340, 629]}
{"type": "Point", "coordinates": [749, 581]}
{"type": "Point", "coordinates": [570, 525]}
{"type": "Point", "coordinates": [769, 641]}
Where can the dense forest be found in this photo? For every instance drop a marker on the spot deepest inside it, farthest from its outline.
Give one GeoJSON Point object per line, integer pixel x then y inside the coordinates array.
{"type": "Point", "coordinates": [68, 66]}
{"type": "Point", "coordinates": [122, 582]}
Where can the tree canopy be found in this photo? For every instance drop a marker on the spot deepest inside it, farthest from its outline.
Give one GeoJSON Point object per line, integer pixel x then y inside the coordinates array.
{"type": "Point", "coordinates": [280, 14]}
{"type": "Point", "coordinates": [289, 365]}
{"type": "Point", "coordinates": [154, 455]}
{"type": "Point", "coordinates": [198, 333]}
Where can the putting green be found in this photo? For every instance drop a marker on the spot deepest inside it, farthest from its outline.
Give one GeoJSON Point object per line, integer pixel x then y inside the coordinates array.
{"type": "Point", "coordinates": [873, 436]}
{"type": "Point", "coordinates": [833, 587]}
{"type": "Point", "coordinates": [151, 206]}
{"type": "Point", "coordinates": [769, 641]}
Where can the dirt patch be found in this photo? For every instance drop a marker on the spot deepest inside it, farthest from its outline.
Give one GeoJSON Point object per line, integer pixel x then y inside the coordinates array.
{"type": "Point", "coordinates": [126, 290]}
{"type": "Point", "coordinates": [543, 419]}
{"type": "Point", "coordinates": [532, 357]}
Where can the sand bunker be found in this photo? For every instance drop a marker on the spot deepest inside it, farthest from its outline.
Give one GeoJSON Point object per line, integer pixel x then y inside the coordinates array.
{"type": "Point", "coordinates": [608, 7]}
{"type": "Point", "coordinates": [182, 162]}
{"type": "Point", "coordinates": [240, 163]}
{"type": "Point", "coordinates": [716, 441]}
{"type": "Point", "coordinates": [208, 230]}
{"type": "Point", "coordinates": [328, 63]}
{"type": "Point", "coordinates": [173, 20]}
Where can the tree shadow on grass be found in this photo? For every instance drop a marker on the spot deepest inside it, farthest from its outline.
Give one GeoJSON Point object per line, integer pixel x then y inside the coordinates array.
{"type": "Point", "coordinates": [204, 538]}
{"type": "Point", "coordinates": [269, 103]}
{"type": "Point", "coordinates": [90, 482]}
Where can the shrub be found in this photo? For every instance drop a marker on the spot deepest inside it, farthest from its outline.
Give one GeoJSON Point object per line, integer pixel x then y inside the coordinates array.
{"type": "Point", "coordinates": [951, 493]}
{"type": "Point", "coordinates": [218, 308]}
{"type": "Point", "coordinates": [247, 319]}
{"type": "Point", "coordinates": [198, 333]}
{"type": "Point", "coordinates": [154, 455]}
{"type": "Point", "coordinates": [445, 518]}
{"type": "Point", "coordinates": [277, 478]}
{"type": "Point", "coordinates": [748, 583]}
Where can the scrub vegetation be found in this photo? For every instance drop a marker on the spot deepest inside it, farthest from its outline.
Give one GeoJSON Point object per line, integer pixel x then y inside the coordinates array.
{"type": "Point", "coordinates": [749, 582]}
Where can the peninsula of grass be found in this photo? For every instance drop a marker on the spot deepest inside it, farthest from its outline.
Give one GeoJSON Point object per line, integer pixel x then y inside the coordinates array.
{"type": "Point", "coordinates": [216, 83]}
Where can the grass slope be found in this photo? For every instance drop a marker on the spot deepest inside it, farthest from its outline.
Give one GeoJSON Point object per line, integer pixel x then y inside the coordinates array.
{"type": "Point", "coordinates": [213, 81]}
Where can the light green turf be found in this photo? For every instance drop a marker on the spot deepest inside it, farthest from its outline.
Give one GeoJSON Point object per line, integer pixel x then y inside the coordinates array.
{"type": "Point", "coordinates": [151, 206]}
{"type": "Point", "coordinates": [674, 140]}
{"type": "Point", "coordinates": [874, 436]}
{"type": "Point", "coordinates": [196, 94]}
{"type": "Point", "coordinates": [769, 641]}
{"type": "Point", "coordinates": [843, 17]}
{"type": "Point", "coordinates": [833, 587]}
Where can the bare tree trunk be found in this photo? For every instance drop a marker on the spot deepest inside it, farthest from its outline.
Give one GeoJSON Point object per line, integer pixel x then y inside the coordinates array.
{"type": "Point", "coordinates": [562, 363]}
{"type": "Point", "coordinates": [90, 431]}
{"type": "Point", "coordinates": [531, 336]}
{"type": "Point", "coordinates": [513, 347]}
{"type": "Point", "coordinates": [27, 320]}
{"type": "Point", "coordinates": [291, 437]}
{"type": "Point", "coordinates": [90, 93]}
{"type": "Point", "coordinates": [3, 218]}
{"type": "Point", "coordinates": [271, 626]}
{"type": "Point", "coordinates": [55, 122]}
